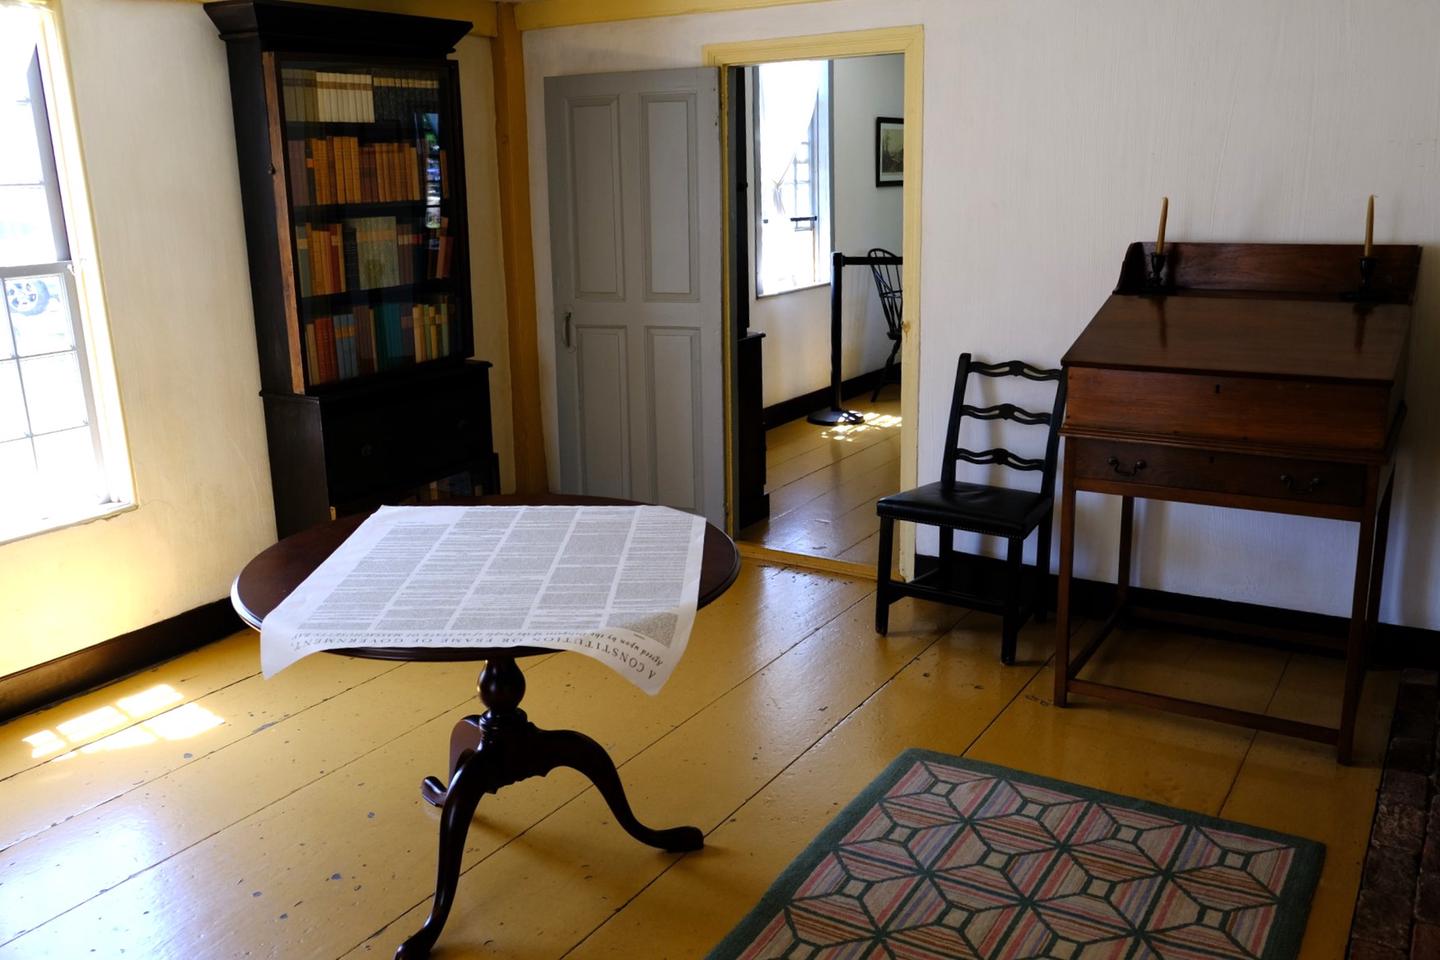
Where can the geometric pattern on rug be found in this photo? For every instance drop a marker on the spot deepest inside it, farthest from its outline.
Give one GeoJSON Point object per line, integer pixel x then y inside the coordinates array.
{"type": "Point", "coordinates": [956, 859]}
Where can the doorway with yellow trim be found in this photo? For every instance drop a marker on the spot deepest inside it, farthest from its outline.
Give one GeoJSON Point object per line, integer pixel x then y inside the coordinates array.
{"type": "Point", "coordinates": [815, 526]}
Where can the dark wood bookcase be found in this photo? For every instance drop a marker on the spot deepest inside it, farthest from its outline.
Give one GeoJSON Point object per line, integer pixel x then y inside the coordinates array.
{"type": "Point", "coordinates": [348, 134]}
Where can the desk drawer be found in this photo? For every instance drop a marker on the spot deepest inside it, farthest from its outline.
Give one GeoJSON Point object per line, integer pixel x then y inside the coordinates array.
{"type": "Point", "coordinates": [1275, 478]}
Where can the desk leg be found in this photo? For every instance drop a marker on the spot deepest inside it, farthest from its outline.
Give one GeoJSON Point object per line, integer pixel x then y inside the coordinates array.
{"type": "Point", "coordinates": [1122, 571]}
{"type": "Point", "coordinates": [1377, 576]}
{"type": "Point", "coordinates": [1359, 616]}
{"type": "Point", "coordinates": [1062, 587]}
{"type": "Point", "coordinates": [502, 747]}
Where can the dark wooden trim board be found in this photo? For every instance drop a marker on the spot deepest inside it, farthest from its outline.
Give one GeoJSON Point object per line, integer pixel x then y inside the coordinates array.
{"type": "Point", "coordinates": [808, 403]}
{"type": "Point", "coordinates": [46, 683]}
{"type": "Point", "coordinates": [1395, 645]}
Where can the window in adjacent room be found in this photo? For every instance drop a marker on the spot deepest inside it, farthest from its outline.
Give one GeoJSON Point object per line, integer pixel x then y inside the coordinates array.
{"type": "Point", "coordinates": [62, 454]}
{"type": "Point", "coordinates": [792, 175]}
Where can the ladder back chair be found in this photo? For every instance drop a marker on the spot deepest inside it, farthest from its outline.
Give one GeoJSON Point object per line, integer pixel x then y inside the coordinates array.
{"type": "Point", "coordinates": [887, 286]}
{"type": "Point", "coordinates": [951, 505]}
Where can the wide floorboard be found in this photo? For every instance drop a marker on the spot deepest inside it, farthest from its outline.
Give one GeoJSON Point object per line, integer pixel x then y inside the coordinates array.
{"type": "Point", "coordinates": [197, 810]}
{"type": "Point", "coordinates": [823, 482]}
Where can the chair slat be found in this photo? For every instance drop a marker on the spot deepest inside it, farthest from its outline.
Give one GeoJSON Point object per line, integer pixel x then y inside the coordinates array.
{"type": "Point", "coordinates": [1001, 456]}
{"type": "Point", "coordinates": [1014, 368]}
{"type": "Point", "coordinates": [1006, 411]}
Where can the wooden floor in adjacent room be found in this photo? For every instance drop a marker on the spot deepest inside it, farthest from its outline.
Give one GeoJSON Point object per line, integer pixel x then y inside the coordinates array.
{"type": "Point", "coordinates": [823, 482]}
{"type": "Point", "coordinates": [199, 811]}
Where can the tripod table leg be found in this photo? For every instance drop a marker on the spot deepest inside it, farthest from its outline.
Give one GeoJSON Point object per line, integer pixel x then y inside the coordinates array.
{"type": "Point", "coordinates": [464, 738]}
{"type": "Point", "coordinates": [471, 780]}
{"type": "Point", "coordinates": [567, 748]}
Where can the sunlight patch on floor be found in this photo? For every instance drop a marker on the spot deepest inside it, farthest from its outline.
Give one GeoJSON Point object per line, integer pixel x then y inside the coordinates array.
{"type": "Point", "coordinates": [121, 718]}
{"type": "Point", "coordinates": [872, 422]}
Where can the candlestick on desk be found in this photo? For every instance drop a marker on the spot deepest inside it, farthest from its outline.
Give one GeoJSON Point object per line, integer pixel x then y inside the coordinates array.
{"type": "Point", "coordinates": [1157, 258]}
{"type": "Point", "coordinates": [1369, 225]}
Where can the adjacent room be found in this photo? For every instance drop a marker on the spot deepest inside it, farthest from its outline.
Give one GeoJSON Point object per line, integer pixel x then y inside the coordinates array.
{"type": "Point", "coordinates": [823, 159]}
{"type": "Point", "coordinates": [719, 479]}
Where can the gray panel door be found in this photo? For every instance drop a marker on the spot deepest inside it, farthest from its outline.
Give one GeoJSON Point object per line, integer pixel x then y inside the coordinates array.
{"type": "Point", "coordinates": [634, 169]}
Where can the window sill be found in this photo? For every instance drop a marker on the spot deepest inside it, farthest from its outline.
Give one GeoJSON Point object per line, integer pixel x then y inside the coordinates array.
{"type": "Point", "coordinates": [60, 521]}
{"type": "Point", "coordinates": [781, 293]}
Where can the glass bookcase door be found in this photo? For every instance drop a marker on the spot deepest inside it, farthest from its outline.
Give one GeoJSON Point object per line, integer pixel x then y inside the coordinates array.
{"type": "Point", "coordinates": [377, 243]}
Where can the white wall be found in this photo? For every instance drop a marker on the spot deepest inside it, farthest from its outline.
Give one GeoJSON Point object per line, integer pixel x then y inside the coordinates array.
{"type": "Point", "coordinates": [153, 101]}
{"type": "Point", "coordinates": [1052, 130]}
{"type": "Point", "coordinates": [797, 324]}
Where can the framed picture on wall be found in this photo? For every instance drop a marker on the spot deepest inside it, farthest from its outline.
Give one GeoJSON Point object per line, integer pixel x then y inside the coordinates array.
{"type": "Point", "coordinates": [889, 151]}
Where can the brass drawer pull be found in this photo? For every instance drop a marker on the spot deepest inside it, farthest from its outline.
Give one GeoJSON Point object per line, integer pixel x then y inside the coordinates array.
{"type": "Point", "coordinates": [1115, 465]}
{"type": "Point", "coordinates": [1290, 484]}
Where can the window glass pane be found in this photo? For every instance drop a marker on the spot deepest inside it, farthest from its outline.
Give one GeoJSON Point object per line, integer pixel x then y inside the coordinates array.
{"type": "Point", "coordinates": [12, 402]}
{"type": "Point", "coordinates": [789, 99]}
{"type": "Point", "coordinates": [53, 392]}
{"type": "Point", "coordinates": [17, 479]}
{"type": "Point", "coordinates": [38, 315]}
{"type": "Point", "coordinates": [19, 151]}
{"type": "Point", "coordinates": [7, 342]}
{"type": "Point", "coordinates": [26, 234]}
{"type": "Point", "coordinates": [19, 34]}
{"type": "Point", "coordinates": [66, 466]}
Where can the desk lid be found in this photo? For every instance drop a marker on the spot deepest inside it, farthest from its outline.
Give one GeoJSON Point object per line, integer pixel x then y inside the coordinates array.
{"type": "Point", "coordinates": [1267, 310]}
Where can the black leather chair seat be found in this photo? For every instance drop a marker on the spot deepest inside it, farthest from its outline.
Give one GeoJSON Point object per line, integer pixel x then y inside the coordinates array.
{"type": "Point", "coordinates": [976, 507]}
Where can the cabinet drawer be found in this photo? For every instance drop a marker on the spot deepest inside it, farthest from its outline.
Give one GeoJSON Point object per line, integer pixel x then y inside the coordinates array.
{"type": "Point", "coordinates": [390, 439]}
{"type": "Point", "coordinates": [1275, 478]}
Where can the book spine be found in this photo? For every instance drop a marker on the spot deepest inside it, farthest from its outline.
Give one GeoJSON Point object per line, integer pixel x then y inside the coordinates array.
{"type": "Point", "coordinates": [337, 262]}
{"type": "Point", "coordinates": [302, 258]}
{"type": "Point", "coordinates": [351, 259]}
{"type": "Point", "coordinates": [353, 153]}
{"type": "Point", "coordinates": [325, 348]}
{"type": "Point", "coordinates": [312, 358]}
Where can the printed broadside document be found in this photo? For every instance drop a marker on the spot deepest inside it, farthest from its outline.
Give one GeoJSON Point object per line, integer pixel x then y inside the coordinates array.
{"type": "Point", "coordinates": [615, 583]}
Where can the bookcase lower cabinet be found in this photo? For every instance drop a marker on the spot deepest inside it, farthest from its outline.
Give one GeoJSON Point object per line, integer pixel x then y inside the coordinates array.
{"type": "Point", "coordinates": [387, 443]}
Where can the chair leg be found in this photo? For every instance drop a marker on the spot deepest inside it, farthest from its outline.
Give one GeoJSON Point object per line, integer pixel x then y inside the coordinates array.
{"type": "Point", "coordinates": [947, 554]}
{"type": "Point", "coordinates": [885, 373]}
{"type": "Point", "coordinates": [882, 576]}
{"type": "Point", "coordinates": [1042, 569]}
{"type": "Point", "coordinates": [1011, 626]}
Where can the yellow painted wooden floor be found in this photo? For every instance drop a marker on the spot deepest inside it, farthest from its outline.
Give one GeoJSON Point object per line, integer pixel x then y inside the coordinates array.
{"type": "Point", "coordinates": [823, 482]}
{"type": "Point", "coordinates": [198, 810]}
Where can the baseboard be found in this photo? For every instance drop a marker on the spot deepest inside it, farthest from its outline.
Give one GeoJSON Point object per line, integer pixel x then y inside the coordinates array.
{"type": "Point", "coordinates": [45, 683]}
{"type": "Point", "coordinates": [1395, 645]}
{"type": "Point", "coordinates": [808, 403]}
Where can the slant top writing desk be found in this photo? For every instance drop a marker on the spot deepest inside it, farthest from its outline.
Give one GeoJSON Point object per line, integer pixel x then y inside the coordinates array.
{"type": "Point", "coordinates": [1259, 376]}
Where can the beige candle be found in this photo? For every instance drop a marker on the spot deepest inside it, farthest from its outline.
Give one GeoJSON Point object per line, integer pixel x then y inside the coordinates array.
{"type": "Point", "coordinates": [1164, 211]}
{"type": "Point", "coordinates": [1369, 225]}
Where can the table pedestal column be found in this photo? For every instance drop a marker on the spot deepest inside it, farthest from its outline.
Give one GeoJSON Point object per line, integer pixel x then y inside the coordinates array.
{"type": "Point", "coordinates": [501, 747]}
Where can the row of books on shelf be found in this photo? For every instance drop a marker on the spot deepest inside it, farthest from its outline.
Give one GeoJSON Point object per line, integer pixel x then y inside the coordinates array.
{"type": "Point", "coordinates": [366, 253]}
{"type": "Point", "coordinates": [327, 96]}
{"type": "Point", "coordinates": [373, 339]}
{"type": "Point", "coordinates": [436, 491]}
{"type": "Point", "coordinates": [343, 170]}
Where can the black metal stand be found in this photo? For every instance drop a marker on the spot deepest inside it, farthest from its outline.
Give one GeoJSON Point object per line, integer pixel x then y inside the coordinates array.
{"type": "Point", "coordinates": [836, 412]}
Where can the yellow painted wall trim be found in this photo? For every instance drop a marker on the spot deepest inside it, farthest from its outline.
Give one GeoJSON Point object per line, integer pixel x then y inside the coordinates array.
{"type": "Point", "coordinates": [481, 13]}
{"type": "Point", "coordinates": [542, 14]}
{"type": "Point", "coordinates": [754, 551]}
{"type": "Point", "coordinates": [909, 41]}
{"type": "Point", "coordinates": [512, 147]}
{"type": "Point", "coordinates": [852, 43]}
